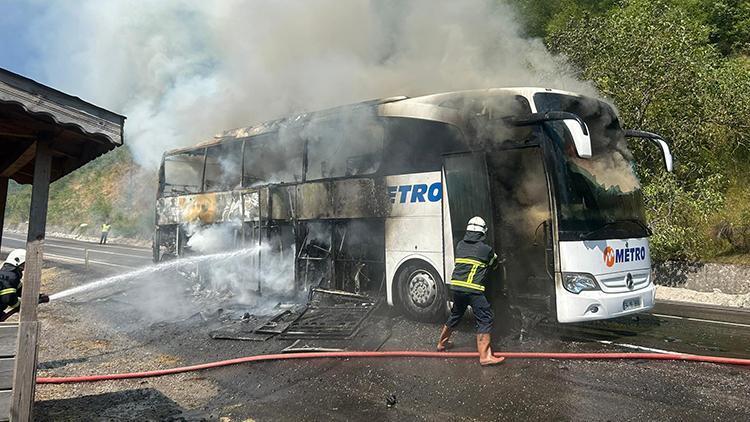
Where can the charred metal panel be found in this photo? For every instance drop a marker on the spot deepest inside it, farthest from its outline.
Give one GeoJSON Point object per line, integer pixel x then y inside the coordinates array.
{"type": "Point", "coordinates": [251, 206]}
{"type": "Point", "coordinates": [205, 208]}
{"type": "Point", "coordinates": [283, 206]}
{"type": "Point", "coordinates": [315, 201]}
{"type": "Point", "coordinates": [342, 199]}
{"type": "Point", "coordinates": [360, 198]}
{"type": "Point", "coordinates": [339, 199]}
{"type": "Point", "coordinates": [167, 211]}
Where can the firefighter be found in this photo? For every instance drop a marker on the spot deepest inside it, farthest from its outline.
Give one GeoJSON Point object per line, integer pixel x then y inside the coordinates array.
{"type": "Point", "coordinates": [473, 257]}
{"type": "Point", "coordinates": [10, 281]}
{"type": "Point", "coordinates": [11, 274]}
{"type": "Point", "coordinates": [105, 231]}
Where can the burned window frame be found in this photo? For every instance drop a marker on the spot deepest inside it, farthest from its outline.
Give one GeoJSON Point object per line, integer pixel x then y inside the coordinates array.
{"type": "Point", "coordinates": [426, 154]}
{"type": "Point", "coordinates": [223, 147]}
{"type": "Point", "coordinates": [261, 142]}
{"type": "Point", "coordinates": [163, 172]}
{"type": "Point", "coordinates": [338, 124]}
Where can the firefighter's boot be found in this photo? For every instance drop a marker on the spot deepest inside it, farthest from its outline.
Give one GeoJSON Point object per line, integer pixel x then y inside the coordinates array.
{"type": "Point", "coordinates": [485, 351]}
{"type": "Point", "coordinates": [445, 339]}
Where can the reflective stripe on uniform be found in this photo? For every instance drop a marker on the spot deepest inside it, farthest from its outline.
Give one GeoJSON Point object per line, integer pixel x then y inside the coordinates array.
{"type": "Point", "coordinates": [470, 261]}
{"type": "Point", "coordinates": [469, 282]}
{"type": "Point", "coordinates": [18, 303]}
{"type": "Point", "coordinates": [468, 285]}
{"type": "Point", "coordinates": [8, 291]}
{"type": "Point", "coordinates": [475, 265]}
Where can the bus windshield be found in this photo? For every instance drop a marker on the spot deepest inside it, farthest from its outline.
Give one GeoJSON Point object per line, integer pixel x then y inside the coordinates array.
{"type": "Point", "coordinates": [598, 198]}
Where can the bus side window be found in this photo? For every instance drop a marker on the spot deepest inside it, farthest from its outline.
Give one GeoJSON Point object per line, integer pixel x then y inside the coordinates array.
{"type": "Point", "coordinates": [273, 158]}
{"type": "Point", "coordinates": [183, 173]}
{"type": "Point", "coordinates": [350, 144]}
{"type": "Point", "coordinates": [415, 146]}
{"type": "Point", "coordinates": [223, 167]}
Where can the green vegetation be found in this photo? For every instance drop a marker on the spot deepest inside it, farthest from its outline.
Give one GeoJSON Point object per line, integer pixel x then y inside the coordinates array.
{"type": "Point", "coordinates": [110, 188]}
{"type": "Point", "coordinates": [678, 68]}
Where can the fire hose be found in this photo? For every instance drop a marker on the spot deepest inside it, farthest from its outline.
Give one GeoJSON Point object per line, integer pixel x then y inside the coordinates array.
{"type": "Point", "coordinates": [393, 354]}
{"type": "Point", "coordinates": [43, 298]}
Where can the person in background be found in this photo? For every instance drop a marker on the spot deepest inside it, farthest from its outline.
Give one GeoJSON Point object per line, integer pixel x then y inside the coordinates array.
{"type": "Point", "coordinates": [105, 232]}
{"type": "Point", "coordinates": [472, 259]}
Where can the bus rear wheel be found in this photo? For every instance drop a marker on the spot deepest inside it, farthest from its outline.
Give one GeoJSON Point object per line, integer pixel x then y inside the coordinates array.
{"type": "Point", "coordinates": [421, 292]}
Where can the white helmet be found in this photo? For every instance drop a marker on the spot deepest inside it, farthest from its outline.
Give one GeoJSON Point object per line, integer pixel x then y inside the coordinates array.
{"type": "Point", "coordinates": [477, 224]}
{"type": "Point", "coordinates": [16, 257]}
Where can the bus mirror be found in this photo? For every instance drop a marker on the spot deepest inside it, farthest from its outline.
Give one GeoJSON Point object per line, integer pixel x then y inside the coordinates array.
{"type": "Point", "coordinates": [577, 127]}
{"type": "Point", "coordinates": [581, 138]}
{"type": "Point", "coordinates": [659, 141]}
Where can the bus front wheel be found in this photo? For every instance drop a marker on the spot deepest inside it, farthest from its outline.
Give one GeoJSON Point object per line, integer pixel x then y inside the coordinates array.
{"type": "Point", "coordinates": [421, 292]}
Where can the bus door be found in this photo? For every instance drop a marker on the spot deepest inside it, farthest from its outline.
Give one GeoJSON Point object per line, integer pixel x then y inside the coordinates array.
{"type": "Point", "coordinates": [466, 195]}
{"type": "Point", "coordinates": [522, 216]}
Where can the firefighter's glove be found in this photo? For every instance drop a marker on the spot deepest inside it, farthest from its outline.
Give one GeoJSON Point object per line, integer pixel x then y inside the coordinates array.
{"type": "Point", "coordinates": [43, 298]}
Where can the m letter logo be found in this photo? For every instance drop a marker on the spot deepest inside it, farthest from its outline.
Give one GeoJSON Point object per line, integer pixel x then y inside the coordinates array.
{"type": "Point", "coordinates": [609, 256]}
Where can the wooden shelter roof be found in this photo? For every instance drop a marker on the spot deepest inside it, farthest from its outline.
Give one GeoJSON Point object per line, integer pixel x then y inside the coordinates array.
{"type": "Point", "coordinates": [78, 131]}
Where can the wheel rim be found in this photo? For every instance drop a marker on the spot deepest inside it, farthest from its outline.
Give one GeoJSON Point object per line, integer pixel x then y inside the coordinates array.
{"type": "Point", "coordinates": [422, 289]}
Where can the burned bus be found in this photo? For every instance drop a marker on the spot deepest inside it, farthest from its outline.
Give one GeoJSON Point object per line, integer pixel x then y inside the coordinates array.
{"type": "Point", "coordinates": [371, 198]}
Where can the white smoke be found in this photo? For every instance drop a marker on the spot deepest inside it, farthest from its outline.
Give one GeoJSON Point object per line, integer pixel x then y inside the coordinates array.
{"type": "Point", "coordinates": [183, 70]}
{"type": "Point", "coordinates": [239, 279]}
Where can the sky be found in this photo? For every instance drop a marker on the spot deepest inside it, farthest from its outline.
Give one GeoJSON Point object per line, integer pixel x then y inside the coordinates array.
{"type": "Point", "coordinates": [184, 70]}
{"type": "Point", "coordinates": [18, 53]}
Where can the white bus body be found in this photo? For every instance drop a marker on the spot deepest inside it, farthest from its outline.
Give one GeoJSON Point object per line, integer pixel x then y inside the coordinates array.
{"type": "Point", "coordinates": [575, 243]}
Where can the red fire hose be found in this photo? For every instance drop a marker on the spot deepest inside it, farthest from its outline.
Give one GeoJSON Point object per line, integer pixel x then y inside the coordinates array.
{"type": "Point", "coordinates": [393, 354]}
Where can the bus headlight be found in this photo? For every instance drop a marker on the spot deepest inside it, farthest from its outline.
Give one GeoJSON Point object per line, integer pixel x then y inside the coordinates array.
{"type": "Point", "coordinates": [578, 282]}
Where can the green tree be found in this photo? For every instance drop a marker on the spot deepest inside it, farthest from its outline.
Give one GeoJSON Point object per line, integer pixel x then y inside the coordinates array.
{"type": "Point", "coordinates": [658, 64]}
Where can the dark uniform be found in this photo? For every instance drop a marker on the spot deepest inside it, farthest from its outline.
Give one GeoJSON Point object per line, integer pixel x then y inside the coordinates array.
{"type": "Point", "coordinates": [473, 258]}
{"type": "Point", "coordinates": [10, 287]}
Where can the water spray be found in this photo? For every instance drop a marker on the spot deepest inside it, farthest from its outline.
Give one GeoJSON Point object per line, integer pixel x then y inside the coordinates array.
{"type": "Point", "coordinates": [153, 269]}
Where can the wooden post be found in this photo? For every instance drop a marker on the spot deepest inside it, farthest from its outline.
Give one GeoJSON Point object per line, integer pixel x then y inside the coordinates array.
{"type": "Point", "coordinates": [3, 199]}
{"type": "Point", "coordinates": [24, 378]}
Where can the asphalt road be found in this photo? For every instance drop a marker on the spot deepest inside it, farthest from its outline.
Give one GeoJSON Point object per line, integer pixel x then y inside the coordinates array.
{"type": "Point", "coordinates": [112, 256]}
{"type": "Point", "coordinates": [398, 389]}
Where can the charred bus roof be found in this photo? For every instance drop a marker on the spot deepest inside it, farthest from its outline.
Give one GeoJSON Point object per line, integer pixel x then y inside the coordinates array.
{"type": "Point", "coordinates": [443, 107]}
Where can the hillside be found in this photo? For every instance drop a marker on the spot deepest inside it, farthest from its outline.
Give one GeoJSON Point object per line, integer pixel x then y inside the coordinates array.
{"type": "Point", "coordinates": [111, 187]}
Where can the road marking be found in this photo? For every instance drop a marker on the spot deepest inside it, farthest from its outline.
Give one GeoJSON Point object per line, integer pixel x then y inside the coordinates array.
{"type": "Point", "coordinates": [51, 245]}
{"type": "Point", "coordinates": [710, 321]}
{"type": "Point", "coordinates": [83, 261]}
{"type": "Point", "coordinates": [633, 346]}
{"type": "Point", "coordinates": [63, 239]}
{"type": "Point", "coordinates": [74, 259]}
{"type": "Point", "coordinates": [94, 250]}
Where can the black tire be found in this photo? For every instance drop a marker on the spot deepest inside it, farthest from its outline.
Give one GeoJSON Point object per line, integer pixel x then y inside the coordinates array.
{"type": "Point", "coordinates": [421, 292]}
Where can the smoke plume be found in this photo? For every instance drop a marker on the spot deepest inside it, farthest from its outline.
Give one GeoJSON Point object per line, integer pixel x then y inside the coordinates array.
{"type": "Point", "coordinates": [184, 70]}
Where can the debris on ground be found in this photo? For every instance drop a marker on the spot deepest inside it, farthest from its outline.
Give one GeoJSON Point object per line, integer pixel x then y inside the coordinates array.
{"type": "Point", "coordinates": [296, 347]}
{"type": "Point", "coordinates": [329, 314]}
{"type": "Point", "coordinates": [391, 400]}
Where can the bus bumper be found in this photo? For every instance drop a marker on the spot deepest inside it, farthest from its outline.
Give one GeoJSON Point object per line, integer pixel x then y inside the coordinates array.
{"type": "Point", "coordinates": [594, 305]}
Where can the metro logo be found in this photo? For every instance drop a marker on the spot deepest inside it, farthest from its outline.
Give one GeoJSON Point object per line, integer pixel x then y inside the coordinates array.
{"type": "Point", "coordinates": [419, 193]}
{"type": "Point", "coordinates": [612, 256]}
{"type": "Point", "coordinates": [609, 256]}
